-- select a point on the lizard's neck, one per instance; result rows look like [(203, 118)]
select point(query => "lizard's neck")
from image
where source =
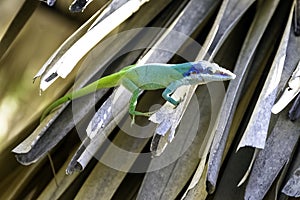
[(183, 67)]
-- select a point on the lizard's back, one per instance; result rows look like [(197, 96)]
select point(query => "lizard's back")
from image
[(153, 76)]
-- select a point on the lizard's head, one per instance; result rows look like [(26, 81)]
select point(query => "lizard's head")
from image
[(205, 72)]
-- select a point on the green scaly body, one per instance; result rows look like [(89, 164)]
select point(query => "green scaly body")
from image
[(152, 77)]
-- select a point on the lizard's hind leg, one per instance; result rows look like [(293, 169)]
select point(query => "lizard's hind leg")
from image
[(132, 106), (131, 86)]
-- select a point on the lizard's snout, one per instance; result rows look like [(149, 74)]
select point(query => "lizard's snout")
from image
[(224, 74)]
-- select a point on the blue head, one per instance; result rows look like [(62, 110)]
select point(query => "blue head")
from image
[(203, 72)]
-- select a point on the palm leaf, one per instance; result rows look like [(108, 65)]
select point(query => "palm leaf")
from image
[(195, 154)]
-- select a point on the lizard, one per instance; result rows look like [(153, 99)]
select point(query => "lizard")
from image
[(152, 76)]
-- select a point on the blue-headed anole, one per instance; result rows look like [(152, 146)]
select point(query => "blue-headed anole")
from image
[(152, 77)]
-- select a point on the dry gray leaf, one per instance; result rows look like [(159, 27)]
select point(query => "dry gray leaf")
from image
[(227, 18), (62, 49), (65, 64), (167, 117), (256, 132), (270, 160), (56, 129), (170, 172), (114, 5), (285, 128), (99, 128), (260, 22), (292, 187)]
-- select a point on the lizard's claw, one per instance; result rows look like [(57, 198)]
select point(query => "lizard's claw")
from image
[(179, 101), (132, 120), (176, 102), (146, 114)]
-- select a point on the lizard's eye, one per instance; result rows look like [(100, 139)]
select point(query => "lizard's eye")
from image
[(213, 70), (209, 70), (193, 72)]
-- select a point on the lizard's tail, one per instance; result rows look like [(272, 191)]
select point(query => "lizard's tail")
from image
[(105, 82)]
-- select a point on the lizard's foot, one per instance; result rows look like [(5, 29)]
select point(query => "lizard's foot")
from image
[(179, 101), (148, 114), (134, 113), (174, 102), (132, 120)]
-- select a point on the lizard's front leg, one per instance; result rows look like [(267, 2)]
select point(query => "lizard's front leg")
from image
[(170, 90)]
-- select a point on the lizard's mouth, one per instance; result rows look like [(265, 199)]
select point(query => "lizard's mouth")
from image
[(218, 75), (225, 74)]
